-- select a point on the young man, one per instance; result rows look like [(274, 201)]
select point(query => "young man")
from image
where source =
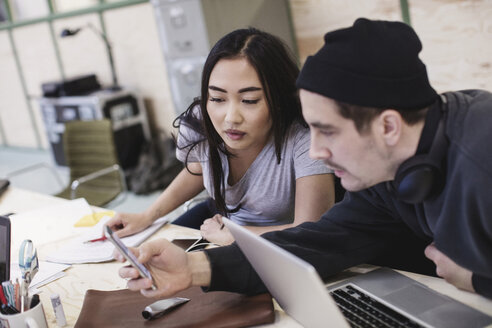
[(410, 160)]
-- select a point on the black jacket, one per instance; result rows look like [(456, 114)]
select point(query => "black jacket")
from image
[(368, 223)]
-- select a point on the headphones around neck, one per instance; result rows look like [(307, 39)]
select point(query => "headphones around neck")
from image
[(421, 177)]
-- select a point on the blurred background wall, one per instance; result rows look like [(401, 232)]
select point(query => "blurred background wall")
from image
[(456, 37)]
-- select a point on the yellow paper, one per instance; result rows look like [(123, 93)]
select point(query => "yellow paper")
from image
[(90, 220)]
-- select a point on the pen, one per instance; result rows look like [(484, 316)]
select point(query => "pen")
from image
[(3, 299), (34, 301), (103, 238), (8, 290)]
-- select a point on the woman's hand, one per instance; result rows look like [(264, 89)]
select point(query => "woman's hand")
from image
[(125, 224), (214, 231)]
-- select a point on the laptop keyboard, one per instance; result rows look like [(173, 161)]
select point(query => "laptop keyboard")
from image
[(361, 310)]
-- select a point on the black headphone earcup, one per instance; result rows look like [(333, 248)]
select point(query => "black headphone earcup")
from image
[(421, 177), (416, 180)]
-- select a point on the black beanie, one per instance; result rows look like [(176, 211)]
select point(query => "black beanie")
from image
[(373, 64)]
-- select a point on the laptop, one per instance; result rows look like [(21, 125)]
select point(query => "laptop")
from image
[(380, 298), (4, 248)]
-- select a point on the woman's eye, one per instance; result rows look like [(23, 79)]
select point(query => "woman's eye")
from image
[(251, 102), (216, 99)]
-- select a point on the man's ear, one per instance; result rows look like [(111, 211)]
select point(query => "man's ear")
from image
[(390, 126)]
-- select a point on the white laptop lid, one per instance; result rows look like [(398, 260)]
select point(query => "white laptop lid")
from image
[(301, 293), (294, 283)]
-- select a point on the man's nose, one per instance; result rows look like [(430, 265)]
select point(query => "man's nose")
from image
[(317, 150)]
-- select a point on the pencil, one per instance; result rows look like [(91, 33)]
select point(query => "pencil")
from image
[(17, 295), (103, 238)]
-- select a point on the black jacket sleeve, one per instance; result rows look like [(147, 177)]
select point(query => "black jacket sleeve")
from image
[(232, 272), (354, 231), (360, 229), (482, 285)]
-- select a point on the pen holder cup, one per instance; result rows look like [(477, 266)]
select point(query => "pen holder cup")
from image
[(32, 318)]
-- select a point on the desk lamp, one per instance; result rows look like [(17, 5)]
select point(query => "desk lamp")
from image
[(70, 32)]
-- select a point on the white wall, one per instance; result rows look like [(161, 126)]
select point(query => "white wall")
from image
[(456, 34)]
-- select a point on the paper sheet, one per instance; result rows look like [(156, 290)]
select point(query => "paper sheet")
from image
[(48, 272), (50, 223), (75, 251)]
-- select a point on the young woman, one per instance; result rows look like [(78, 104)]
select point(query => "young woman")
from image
[(246, 143)]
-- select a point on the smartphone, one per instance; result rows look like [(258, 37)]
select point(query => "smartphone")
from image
[(4, 248), (116, 241)]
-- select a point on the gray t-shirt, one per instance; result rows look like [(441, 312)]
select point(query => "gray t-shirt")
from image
[(266, 192)]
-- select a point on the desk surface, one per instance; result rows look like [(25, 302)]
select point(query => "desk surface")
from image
[(104, 276)]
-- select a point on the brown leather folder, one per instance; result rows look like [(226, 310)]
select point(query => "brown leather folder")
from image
[(123, 308)]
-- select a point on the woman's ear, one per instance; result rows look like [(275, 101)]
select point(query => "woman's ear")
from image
[(391, 126)]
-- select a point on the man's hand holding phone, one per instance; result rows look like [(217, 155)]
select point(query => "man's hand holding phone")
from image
[(171, 269), (126, 254)]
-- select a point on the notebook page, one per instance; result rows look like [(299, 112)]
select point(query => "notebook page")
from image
[(76, 251)]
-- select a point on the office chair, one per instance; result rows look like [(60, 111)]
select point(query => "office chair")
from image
[(95, 173), (90, 153)]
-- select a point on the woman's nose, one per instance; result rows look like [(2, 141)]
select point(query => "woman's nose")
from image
[(233, 114)]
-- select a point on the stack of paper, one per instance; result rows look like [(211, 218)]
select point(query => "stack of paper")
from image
[(76, 251)]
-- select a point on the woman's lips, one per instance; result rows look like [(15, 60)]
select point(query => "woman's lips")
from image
[(234, 134)]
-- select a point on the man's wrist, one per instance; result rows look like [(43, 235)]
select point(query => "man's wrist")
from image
[(201, 272)]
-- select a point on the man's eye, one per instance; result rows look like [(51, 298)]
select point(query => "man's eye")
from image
[(326, 133)]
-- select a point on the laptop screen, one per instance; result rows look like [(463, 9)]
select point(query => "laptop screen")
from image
[(4, 248)]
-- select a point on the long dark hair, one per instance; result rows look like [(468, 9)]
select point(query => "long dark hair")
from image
[(277, 71)]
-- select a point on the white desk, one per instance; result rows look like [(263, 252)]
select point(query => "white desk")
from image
[(104, 276)]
